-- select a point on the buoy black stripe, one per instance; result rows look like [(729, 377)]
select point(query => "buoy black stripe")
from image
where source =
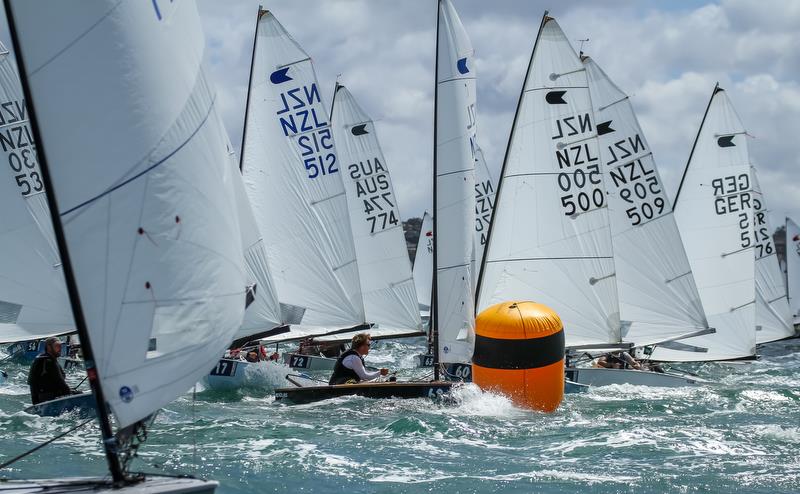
[(495, 353)]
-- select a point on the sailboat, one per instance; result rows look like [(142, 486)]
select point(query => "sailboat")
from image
[(33, 296), (564, 233), (793, 269), (773, 315), (143, 210), (714, 211)]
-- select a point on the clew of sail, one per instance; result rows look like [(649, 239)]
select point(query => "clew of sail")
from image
[(773, 315), (293, 179), (143, 189), (714, 212), (658, 298), (550, 238), (454, 189), (793, 268), (33, 297), (390, 300)]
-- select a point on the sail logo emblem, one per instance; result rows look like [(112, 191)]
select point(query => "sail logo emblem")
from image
[(461, 65), (726, 142), (429, 234), (280, 76), (126, 394), (555, 97), (359, 130), (605, 128)]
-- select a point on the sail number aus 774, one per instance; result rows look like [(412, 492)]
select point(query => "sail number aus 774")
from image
[(372, 187)]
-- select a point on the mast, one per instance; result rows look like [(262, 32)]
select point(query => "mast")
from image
[(694, 145), (249, 85), (434, 291), (109, 441), (545, 18)]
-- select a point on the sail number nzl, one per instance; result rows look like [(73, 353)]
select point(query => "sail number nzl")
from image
[(579, 180), (303, 119), (18, 145)]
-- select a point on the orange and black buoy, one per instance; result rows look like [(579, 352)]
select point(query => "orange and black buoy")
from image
[(519, 351)]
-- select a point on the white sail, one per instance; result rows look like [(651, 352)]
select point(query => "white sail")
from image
[(793, 268), (294, 182), (423, 264), (144, 189), (33, 296), (263, 309), (550, 240), (714, 211), (387, 287), (658, 298), (485, 191), (454, 189), (773, 315)]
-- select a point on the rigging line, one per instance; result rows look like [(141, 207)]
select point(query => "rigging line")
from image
[(149, 168), (37, 448)]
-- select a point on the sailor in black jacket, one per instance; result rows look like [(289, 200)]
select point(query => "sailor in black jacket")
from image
[(46, 377), (350, 368)]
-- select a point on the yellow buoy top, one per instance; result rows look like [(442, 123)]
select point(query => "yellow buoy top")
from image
[(517, 321)]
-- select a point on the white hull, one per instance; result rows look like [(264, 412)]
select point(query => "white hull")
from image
[(308, 362), (596, 376), (78, 485), (228, 374)]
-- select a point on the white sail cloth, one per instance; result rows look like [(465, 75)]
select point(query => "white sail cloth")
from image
[(264, 311), (293, 179), (144, 189), (454, 189), (550, 240), (33, 296), (773, 315), (714, 211), (423, 263), (658, 298), (793, 268), (390, 300), (485, 192)]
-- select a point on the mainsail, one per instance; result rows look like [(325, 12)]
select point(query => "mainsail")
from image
[(658, 298), (793, 268), (550, 238), (33, 297), (143, 190), (714, 211), (453, 315), (423, 263), (773, 315), (387, 287), (293, 179)]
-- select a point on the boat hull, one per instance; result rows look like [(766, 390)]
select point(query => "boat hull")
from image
[(308, 362), (78, 485), (227, 374), (84, 404), (406, 390), (597, 376)]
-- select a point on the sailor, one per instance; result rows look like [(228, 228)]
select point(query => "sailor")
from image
[(349, 367), (620, 360), (46, 377)]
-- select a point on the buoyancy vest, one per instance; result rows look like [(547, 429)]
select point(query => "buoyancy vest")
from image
[(342, 374)]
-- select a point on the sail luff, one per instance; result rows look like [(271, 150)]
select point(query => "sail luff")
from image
[(434, 314)]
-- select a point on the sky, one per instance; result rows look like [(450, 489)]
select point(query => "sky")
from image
[(667, 55)]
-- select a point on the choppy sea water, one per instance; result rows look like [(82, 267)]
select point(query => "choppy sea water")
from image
[(739, 434)]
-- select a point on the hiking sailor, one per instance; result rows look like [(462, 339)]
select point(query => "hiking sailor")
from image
[(46, 377), (349, 367)]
